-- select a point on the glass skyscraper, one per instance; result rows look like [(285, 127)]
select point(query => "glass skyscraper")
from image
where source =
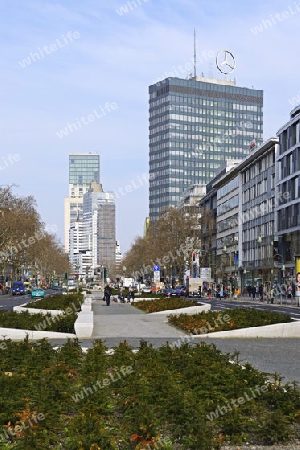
[(83, 168), (196, 125)]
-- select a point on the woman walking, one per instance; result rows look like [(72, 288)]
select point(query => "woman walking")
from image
[(107, 294)]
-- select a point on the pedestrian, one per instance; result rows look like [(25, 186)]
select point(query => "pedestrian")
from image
[(272, 294), (107, 294), (121, 296), (130, 295), (249, 290), (261, 292), (297, 288)]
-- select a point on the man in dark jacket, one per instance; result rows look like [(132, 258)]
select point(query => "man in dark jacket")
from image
[(107, 294), (130, 295)]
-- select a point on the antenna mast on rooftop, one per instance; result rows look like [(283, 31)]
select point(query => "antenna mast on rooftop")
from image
[(195, 58)]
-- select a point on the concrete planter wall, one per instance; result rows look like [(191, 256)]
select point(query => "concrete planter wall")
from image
[(84, 324), (189, 310)]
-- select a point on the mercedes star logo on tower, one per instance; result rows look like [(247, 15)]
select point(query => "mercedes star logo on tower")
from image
[(225, 61)]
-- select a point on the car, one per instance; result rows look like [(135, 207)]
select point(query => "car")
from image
[(28, 287), (37, 292), (146, 290), (171, 293), (18, 288)]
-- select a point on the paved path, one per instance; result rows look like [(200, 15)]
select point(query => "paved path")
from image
[(124, 320)]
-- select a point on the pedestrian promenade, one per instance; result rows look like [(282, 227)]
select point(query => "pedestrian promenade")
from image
[(121, 322), (126, 321)]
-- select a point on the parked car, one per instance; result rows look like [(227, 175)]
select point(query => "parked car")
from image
[(146, 290), (37, 292), (171, 293)]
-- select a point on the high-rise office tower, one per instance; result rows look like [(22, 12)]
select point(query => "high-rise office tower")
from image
[(99, 224), (196, 125), (83, 168)]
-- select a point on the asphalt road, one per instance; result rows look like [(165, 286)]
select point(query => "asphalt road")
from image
[(9, 301)]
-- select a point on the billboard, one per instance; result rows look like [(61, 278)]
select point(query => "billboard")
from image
[(297, 272)]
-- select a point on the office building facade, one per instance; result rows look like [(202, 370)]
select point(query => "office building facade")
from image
[(288, 195), (99, 224), (83, 168), (194, 127), (246, 219)]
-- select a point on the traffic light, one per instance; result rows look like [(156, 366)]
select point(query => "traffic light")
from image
[(66, 275), (104, 272)]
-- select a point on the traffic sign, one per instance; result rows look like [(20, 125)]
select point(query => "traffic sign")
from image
[(156, 277), (156, 268)]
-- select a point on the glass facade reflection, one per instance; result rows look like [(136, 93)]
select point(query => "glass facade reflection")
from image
[(83, 168)]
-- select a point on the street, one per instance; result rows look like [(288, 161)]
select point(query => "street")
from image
[(8, 301)]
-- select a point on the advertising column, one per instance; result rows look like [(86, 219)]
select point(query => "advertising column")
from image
[(297, 281)]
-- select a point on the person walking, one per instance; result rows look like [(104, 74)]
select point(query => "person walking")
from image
[(107, 294)]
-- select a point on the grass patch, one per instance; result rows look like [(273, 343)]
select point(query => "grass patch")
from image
[(233, 319), (163, 304)]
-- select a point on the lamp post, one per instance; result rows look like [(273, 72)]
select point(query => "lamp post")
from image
[(229, 254), (124, 271)]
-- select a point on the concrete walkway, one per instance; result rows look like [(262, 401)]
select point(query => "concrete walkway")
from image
[(122, 320)]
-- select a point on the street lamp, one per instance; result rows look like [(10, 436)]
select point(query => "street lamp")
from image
[(229, 254)]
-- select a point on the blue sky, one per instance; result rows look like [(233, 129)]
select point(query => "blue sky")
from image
[(110, 57)]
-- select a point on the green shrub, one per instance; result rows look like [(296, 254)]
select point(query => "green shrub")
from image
[(185, 397), (59, 301), (210, 321), (38, 322), (163, 304)]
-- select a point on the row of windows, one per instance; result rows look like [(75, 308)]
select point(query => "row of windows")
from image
[(198, 100), (228, 205), (238, 141), (254, 255), (193, 171), (227, 224), (219, 124), (261, 165), (289, 190), (289, 164), (258, 210), (229, 187), (290, 137), (265, 229), (220, 135), (257, 189), (289, 217)]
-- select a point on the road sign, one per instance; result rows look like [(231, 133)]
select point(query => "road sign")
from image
[(156, 276), (156, 268)]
